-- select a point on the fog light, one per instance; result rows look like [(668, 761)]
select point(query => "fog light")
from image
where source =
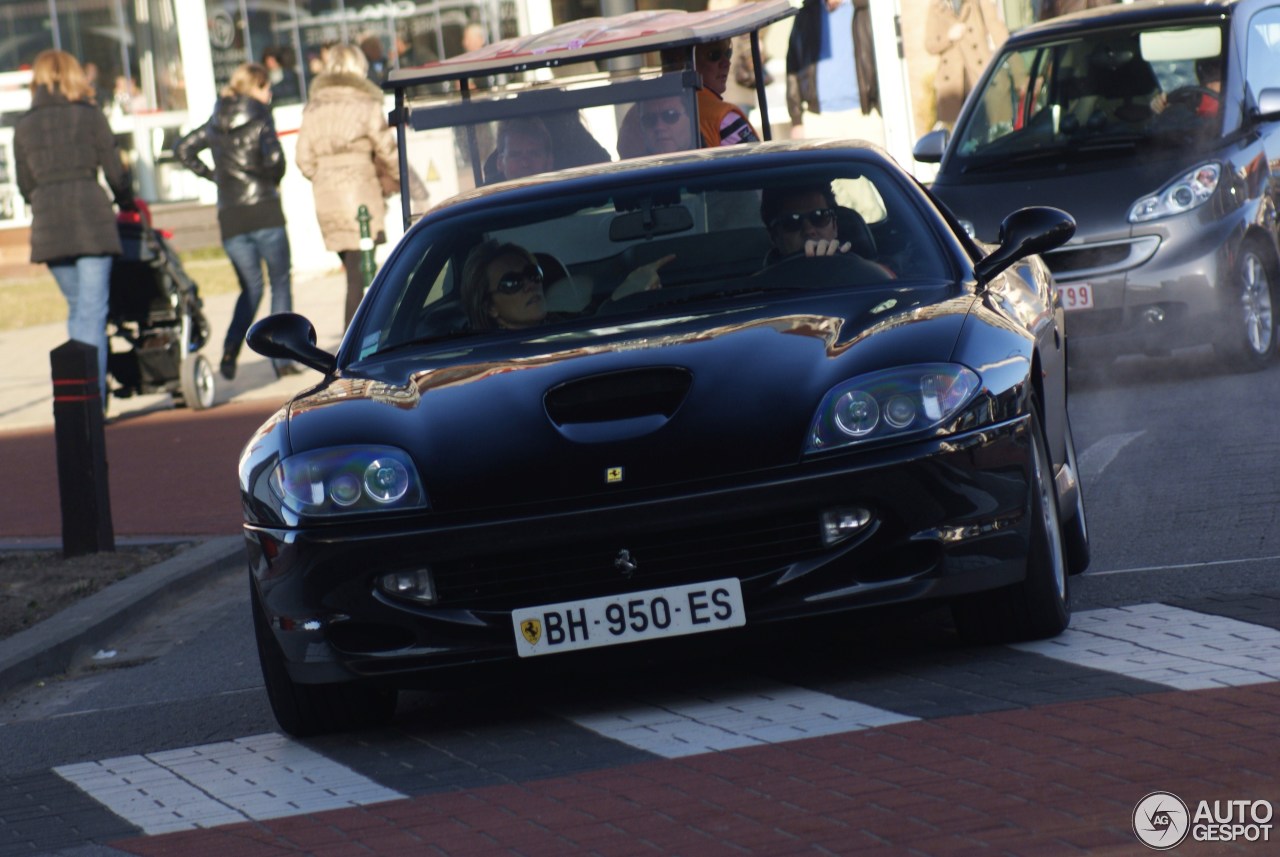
[(1153, 316), (839, 525), (416, 584)]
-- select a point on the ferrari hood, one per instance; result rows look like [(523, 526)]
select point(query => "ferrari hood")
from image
[(583, 413)]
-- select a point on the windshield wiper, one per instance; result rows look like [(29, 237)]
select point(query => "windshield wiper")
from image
[(1017, 157)]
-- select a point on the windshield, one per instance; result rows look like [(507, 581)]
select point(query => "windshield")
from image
[(1113, 92), (651, 248)]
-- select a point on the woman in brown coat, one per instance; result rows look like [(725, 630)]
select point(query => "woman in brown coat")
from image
[(348, 152), (59, 147), (963, 34)]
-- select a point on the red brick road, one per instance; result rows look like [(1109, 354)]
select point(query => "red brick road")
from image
[(1053, 780), (171, 473)]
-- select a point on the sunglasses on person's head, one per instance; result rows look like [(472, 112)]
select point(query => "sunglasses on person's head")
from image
[(668, 117), (819, 218), (717, 54), (513, 281)]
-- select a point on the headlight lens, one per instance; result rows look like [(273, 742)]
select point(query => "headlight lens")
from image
[(892, 402), (1187, 192), (348, 479)]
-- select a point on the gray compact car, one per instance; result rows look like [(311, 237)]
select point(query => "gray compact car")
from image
[(1157, 126)]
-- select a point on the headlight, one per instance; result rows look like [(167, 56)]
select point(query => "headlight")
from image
[(1188, 192), (347, 479), (892, 402)]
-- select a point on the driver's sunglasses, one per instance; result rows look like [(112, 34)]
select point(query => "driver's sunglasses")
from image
[(819, 218), (668, 117), (513, 281), (717, 54)]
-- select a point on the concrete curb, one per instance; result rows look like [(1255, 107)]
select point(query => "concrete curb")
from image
[(52, 646)]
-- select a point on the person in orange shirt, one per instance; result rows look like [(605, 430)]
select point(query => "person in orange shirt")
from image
[(721, 123)]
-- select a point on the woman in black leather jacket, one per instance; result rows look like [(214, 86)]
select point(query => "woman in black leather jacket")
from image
[(248, 165)]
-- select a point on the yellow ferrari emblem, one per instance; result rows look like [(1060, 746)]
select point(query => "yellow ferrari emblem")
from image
[(613, 474), (532, 631)]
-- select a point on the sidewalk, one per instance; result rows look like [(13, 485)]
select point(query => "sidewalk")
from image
[(171, 474)]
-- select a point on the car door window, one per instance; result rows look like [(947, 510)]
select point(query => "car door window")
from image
[(1262, 53)]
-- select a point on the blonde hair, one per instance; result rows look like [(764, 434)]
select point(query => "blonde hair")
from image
[(247, 77), (59, 71), (346, 59)]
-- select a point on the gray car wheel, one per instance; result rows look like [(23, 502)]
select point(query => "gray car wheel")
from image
[(1040, 605), (1251, 328)]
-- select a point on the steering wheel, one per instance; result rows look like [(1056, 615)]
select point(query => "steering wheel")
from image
[(1191, 96), (844, 269)]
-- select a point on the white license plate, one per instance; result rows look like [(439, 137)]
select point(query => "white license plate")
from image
[(667, 612), (1076, 296)]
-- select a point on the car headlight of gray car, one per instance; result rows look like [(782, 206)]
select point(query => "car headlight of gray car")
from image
[(1189, 191), (348, 480), (900, 401)]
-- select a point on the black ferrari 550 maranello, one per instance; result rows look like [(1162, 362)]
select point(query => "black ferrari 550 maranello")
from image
[(660, 397)]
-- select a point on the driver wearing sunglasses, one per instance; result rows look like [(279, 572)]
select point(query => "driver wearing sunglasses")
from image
[(802, 220), (502, 287), (665, 126)]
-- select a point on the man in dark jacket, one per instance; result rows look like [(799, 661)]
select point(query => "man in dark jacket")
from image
[(59, 147), (248, 164)]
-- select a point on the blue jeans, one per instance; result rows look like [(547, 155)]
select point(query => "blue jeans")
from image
[(247, 253), (85, 282)]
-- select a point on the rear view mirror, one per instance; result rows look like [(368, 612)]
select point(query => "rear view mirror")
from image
[(648, 222)]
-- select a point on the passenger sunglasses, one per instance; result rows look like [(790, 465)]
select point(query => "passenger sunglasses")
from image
[(819, 218), (717, 54), (513, 281), (668, 117)]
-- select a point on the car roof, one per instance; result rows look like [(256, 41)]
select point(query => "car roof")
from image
[(593, 39), (1142, 11)]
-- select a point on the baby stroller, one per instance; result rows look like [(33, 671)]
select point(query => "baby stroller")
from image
[(155, 308)]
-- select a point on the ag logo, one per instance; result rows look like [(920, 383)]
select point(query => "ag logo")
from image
[(1161, 820), (531, 629)]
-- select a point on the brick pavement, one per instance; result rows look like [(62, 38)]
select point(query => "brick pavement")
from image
[(1056, 779)]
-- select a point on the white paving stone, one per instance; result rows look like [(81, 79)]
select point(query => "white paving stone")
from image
[(260, 777), (1167, 645), (738, 714)]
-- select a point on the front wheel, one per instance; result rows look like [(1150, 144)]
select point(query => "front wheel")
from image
[(315, 709), (1039, 606), (1250, 342), (199, 387)]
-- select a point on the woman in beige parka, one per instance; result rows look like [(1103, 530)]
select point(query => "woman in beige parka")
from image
[(963, 34), (348, 152)]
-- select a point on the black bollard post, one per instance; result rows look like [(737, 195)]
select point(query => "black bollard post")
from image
[(82, 450), (368, 265)]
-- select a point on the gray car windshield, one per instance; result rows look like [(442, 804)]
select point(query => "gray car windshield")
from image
[(1117, 92), (546, 257)]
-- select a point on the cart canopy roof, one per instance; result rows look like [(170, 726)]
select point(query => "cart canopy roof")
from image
[(596, 39)]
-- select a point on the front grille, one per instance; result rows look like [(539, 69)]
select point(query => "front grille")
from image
[(740, 549), (1072, 259)]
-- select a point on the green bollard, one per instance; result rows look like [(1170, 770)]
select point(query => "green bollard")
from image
[(368, 267)]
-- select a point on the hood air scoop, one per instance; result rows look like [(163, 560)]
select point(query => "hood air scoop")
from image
[(617, 405)]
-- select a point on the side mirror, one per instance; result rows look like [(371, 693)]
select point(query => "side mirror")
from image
[(1025, 232), (930, 147), (1268, 109), (289, 336)]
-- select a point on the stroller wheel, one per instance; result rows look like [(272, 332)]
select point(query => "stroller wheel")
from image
[(198, 385)]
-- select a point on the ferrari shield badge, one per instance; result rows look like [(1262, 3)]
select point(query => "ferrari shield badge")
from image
[(613, 474), (532, 630)]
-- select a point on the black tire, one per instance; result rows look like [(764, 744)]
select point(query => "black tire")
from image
[(1250, 342), (1076, 532), (1040, 605), (315, 709), (199, 387)]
